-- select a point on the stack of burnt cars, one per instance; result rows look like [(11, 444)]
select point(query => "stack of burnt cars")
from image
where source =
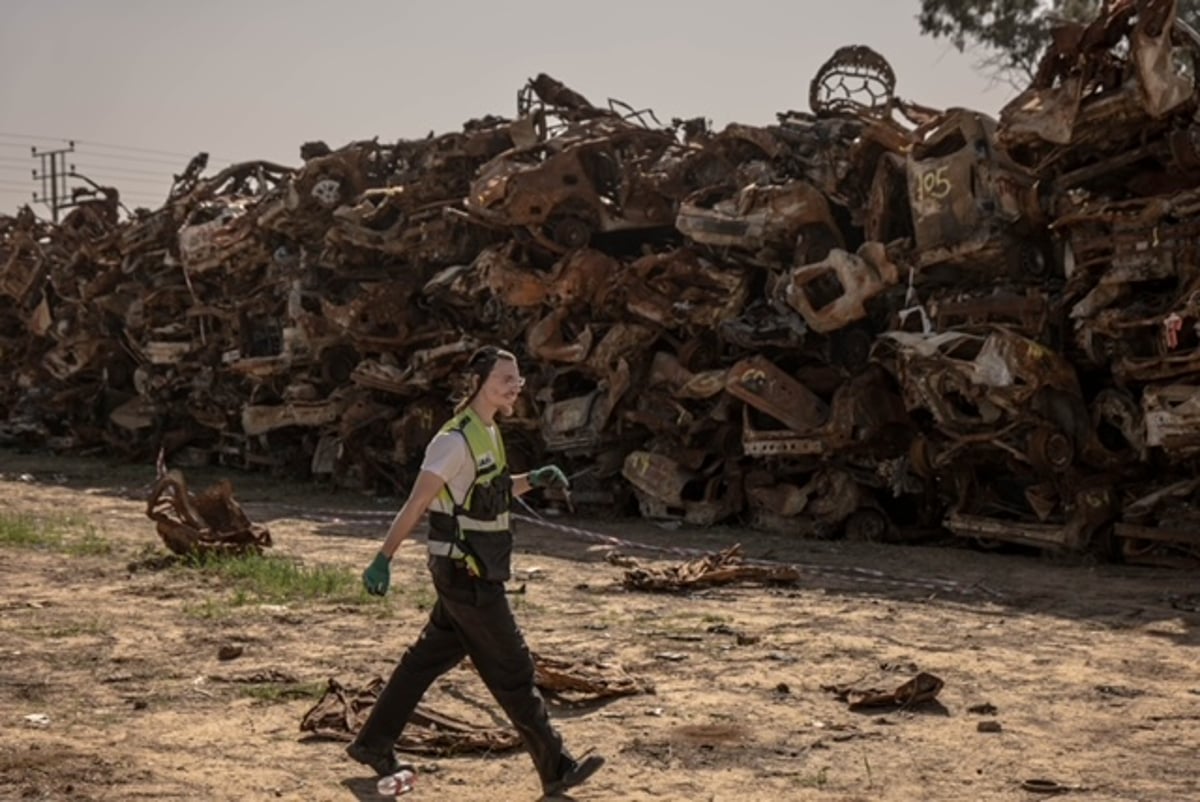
[(873, 319)]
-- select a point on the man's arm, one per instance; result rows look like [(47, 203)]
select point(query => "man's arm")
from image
[(424, 491)]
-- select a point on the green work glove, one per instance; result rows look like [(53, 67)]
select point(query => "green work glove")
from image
[(378, 575), (548, 476)]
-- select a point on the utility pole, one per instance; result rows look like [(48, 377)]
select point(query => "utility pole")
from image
[(54, 178)]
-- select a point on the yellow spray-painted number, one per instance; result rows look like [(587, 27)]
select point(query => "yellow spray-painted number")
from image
[(933, 184)]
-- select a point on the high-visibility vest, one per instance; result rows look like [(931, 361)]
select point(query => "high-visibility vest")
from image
[(478, 529)]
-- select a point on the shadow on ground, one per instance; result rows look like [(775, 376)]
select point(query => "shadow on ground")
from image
[(1003, 582)]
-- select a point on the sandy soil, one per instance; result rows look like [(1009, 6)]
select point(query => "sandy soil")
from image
[(1091, 669)]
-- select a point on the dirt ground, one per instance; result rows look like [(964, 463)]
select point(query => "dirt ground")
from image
[(1090, 670)]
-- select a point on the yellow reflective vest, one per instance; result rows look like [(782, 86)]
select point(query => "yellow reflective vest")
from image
[(478, 530)]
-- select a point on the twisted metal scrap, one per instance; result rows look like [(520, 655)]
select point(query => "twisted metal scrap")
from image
[(722, 568), (209, 523), (583, 681), (854, 80), (924, 687), (340, 713)]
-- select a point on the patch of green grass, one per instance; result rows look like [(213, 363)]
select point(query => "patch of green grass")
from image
[(87, 626), (272, 692), (269, 579), (28, 532), (70, 534), (210, 610), (89, 544)]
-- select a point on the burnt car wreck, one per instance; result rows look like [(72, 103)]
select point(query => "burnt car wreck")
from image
[(871, 319)]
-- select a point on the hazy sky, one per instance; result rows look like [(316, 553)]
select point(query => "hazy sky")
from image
[(143, 85)]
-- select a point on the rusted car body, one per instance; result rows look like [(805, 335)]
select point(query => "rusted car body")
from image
[(599, 177), (788, 224), (971, 204), (1106, 96)]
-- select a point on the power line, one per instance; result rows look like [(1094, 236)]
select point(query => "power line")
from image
[(119, 157), (121, 170), (130, 148), (118, 180), (4, 135), (143, 150)]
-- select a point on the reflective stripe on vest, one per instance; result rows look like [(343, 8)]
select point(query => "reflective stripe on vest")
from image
[(440, 548), (490, 463), (499, 524)]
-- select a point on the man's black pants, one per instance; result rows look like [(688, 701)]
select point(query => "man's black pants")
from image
[(470, 618)]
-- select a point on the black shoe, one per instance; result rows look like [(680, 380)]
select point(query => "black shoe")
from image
[(575, 772), (383, 761)]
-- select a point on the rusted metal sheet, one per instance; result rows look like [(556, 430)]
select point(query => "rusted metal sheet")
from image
[(1162, 526), (817, 508), (667, 490), (922, 688), (1172, 416), (682, 290), (211, 522), (584, 681), (764, 386), (832, 294)]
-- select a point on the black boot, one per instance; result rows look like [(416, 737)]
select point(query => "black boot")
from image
[(573, 772), (382, 760)]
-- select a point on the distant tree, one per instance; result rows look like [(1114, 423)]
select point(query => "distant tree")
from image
[(1012, 33)]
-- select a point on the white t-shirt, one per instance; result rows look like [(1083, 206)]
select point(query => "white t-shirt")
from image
[(448, 457)]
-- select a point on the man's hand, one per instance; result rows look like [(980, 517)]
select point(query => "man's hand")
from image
[(378, 575), (548, 476)]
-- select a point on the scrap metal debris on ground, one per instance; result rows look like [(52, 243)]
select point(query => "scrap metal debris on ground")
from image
[(872, 319), (584, 681), (341, 711), (205, 524), (924, 687), (720, 568)]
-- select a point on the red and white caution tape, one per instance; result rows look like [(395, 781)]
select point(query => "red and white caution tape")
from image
[(852, 573)]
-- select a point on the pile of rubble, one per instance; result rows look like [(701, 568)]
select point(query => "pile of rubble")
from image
[(874, 319)]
